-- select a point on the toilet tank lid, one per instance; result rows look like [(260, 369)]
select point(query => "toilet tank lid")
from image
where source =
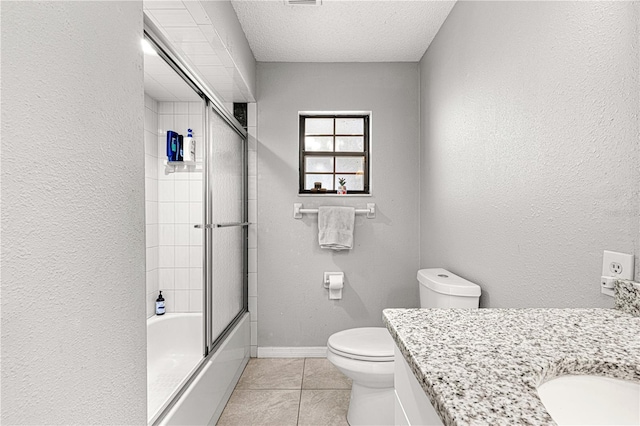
[(442, 281)]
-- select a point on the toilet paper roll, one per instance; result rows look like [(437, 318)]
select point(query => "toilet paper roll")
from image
[(335, 282)]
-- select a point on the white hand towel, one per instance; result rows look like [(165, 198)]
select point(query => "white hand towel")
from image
[(335, 227)]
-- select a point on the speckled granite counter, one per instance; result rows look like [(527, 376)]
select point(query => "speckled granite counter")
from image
[(484, 366), (627, 297)]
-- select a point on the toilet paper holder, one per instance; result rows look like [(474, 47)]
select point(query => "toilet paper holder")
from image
[(334, 282)]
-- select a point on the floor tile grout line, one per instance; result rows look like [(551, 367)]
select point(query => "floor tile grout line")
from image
[(304, 364)]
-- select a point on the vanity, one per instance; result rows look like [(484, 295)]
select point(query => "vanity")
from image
[(463, 366)]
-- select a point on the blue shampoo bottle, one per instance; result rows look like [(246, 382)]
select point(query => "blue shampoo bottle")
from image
[(172, 145)]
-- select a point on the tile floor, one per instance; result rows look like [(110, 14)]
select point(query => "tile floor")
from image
[(288, 391)]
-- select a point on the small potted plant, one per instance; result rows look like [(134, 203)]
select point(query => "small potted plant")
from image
[(342, 189)]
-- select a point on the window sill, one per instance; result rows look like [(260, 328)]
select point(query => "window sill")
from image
[(335, 195)]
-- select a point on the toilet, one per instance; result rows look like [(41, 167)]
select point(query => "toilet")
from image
[(365, 355)]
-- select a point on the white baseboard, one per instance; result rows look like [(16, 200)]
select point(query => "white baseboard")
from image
[(292, 352)]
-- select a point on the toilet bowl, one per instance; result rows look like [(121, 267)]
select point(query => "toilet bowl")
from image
[(365, 355)]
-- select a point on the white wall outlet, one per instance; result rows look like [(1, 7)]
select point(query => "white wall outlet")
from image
[(615, 266)]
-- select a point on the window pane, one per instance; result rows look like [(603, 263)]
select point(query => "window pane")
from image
[(319, 164), (354, 182), (350, 144), (318, 126), (349, 126), (334, 147), (315, 143), (327, 181), (349, 164)]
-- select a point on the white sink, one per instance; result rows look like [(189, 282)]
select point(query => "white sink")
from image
[(591, 400)]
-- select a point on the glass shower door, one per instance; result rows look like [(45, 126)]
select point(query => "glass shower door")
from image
[(227, 236), (196, 224)]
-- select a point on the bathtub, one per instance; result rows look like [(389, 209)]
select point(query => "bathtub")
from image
[(174, 349), (174, 352)]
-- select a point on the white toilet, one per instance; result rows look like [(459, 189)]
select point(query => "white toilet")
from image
[(365, 355)]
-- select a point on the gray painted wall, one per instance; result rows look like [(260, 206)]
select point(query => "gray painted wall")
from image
[(293, 306), (529, 151), (73, 310)]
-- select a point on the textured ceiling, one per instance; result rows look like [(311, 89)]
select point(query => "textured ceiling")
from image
[(341, 31)]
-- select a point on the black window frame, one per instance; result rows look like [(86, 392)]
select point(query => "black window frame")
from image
[(364, 153)]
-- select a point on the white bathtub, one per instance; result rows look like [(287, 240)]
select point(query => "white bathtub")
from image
[(174, 349)]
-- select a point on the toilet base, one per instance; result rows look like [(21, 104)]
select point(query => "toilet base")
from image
[(371, 406)]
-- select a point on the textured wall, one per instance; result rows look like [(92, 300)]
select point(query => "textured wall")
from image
[(380, 272), (529, 152), (73, 311)]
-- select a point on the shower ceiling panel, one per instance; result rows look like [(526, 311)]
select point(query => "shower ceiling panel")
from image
[(163, 84), (190, 31)]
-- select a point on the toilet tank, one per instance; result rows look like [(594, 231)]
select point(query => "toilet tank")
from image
[(440, 288)]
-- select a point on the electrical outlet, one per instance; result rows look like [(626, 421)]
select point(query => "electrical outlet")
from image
[(615, 266), (618, 265)]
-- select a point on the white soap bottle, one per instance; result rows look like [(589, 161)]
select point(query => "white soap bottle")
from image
[(189, 150)]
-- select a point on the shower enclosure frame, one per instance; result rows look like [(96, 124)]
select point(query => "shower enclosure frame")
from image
[(212, 105)]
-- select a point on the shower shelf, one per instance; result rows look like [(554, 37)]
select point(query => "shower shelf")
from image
[(182, 166)]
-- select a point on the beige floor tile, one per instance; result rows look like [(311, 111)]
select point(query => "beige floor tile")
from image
[(321, 374), (272, 373), (324, 407), (261, 407)]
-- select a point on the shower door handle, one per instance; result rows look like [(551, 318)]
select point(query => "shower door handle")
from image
[(230, 224), (221, 225)]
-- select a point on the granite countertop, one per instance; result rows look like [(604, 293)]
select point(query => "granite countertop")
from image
[(484, 366)]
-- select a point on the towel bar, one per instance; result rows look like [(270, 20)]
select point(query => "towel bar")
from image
[(298, 211)]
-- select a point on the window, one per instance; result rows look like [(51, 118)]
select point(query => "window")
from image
[(334, 147)]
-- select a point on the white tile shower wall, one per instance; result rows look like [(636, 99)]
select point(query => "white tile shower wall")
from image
[(252, 119), (151, 199), (179, 209)]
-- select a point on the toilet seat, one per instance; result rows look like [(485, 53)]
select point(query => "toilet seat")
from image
[(373, 344), (366, 356)]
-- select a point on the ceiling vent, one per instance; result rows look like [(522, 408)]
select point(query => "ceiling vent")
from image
[(303, 2)]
